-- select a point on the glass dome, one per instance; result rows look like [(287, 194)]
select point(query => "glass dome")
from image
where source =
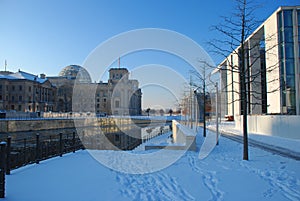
[(76, 72)]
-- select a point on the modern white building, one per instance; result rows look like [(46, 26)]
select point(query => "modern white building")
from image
[(272, 60)]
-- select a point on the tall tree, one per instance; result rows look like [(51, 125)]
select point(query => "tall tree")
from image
[(236, 30), (201, 81)]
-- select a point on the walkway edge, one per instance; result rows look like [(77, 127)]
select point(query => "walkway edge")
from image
[(261, 145)]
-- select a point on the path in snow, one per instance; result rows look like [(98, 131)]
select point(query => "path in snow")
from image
[(209, 177), (155, 186), (279, 180)]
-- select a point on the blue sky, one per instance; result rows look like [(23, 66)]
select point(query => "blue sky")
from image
[(40, 36)]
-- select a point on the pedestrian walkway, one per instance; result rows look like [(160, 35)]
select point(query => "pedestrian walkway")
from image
[(282, 146)]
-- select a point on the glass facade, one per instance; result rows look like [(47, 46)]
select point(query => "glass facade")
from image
[(287, 61)]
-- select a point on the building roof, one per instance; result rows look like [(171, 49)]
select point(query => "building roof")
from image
[(21, 75), (76, 72), (117, 68)]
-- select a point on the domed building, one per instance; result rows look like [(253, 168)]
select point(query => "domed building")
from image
[(64, 83), (119, 96), (76, 72)]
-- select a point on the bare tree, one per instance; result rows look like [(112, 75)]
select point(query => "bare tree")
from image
[(236, 30), (201, 80)]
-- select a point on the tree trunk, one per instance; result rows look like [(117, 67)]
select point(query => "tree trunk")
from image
[(243, 86)]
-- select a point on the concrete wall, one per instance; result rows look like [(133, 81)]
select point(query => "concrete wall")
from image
[(272, 64), (272, 125), (34, 125), (183, 135)]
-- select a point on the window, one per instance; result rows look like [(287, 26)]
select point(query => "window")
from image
[(20, 107), (298, 14), (12, 107), (117, 104), (279, 19), (13, 98), (20, 98), (104, 100), (13, 88), (29, 108), (117, 138), (288, 18), (98, 105), (1, 97), (290, 67), (290, 82), (29, 89), (289, 51), (20, 87), (288, 35)]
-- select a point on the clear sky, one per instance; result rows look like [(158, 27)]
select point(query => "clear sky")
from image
[(40, 36)]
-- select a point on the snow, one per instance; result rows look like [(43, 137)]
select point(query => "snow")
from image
[(23, 75), (292, 145), (222, 175)]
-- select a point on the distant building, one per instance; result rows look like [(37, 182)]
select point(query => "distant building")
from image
[(25, 92), (125, 95), (119, 96), (64, 83), (274, 51), (192, 106)]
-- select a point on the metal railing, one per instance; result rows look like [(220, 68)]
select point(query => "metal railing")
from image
[(20, 152)]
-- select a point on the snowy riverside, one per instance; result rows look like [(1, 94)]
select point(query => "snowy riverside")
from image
[(148, 101)]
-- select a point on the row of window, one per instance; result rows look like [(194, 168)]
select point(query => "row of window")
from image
[(14, 88), (103, 105), (287, 59), (14, 98), (20, 88), (29, 108)]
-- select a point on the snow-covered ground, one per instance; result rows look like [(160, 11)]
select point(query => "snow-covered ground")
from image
[(222, 175), (291, 145)]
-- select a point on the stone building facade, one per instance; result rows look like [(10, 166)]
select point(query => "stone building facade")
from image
[(25, 92), (76, 92), (71, 91)]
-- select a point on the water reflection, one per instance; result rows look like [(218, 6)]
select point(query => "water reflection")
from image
[(118, 134)]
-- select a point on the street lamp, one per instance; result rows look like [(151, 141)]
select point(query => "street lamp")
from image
[(217, 114)]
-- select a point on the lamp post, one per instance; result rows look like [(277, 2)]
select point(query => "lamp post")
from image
[(217, 114)]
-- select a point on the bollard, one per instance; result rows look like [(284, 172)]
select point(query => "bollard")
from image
[(2, 168), (73, 142), (60, 145), (37, 150), (8, 149)]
